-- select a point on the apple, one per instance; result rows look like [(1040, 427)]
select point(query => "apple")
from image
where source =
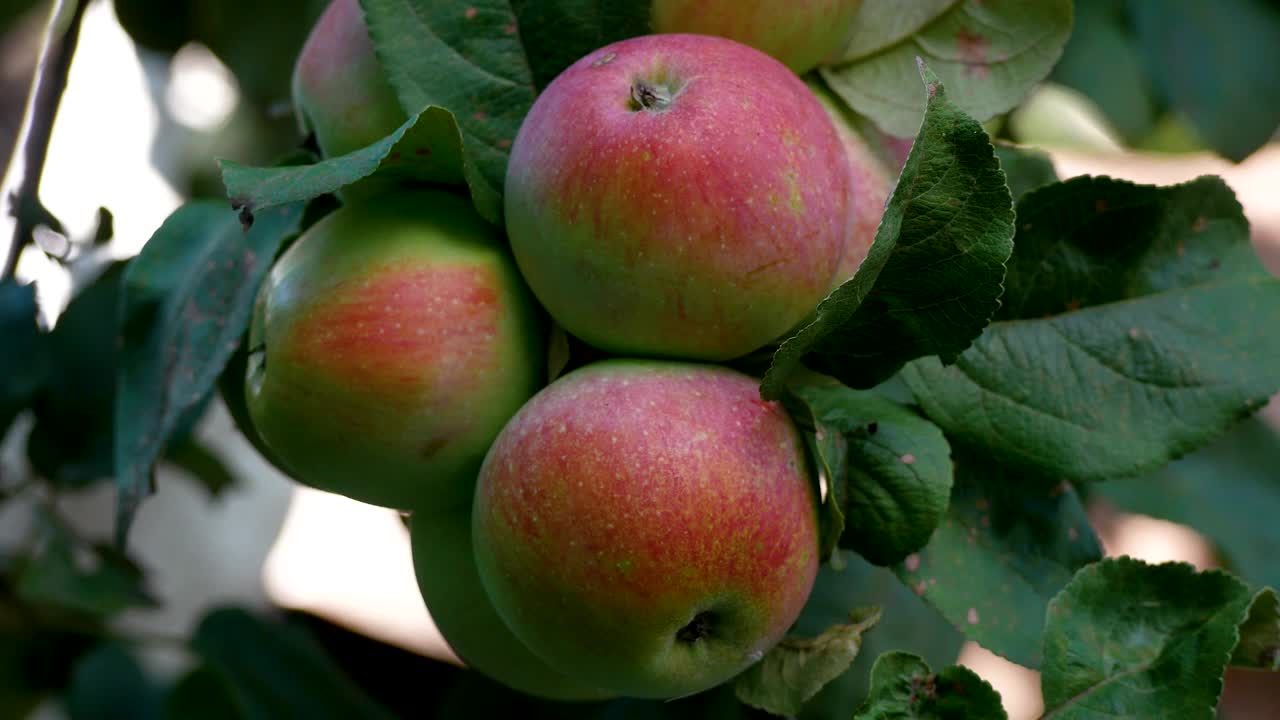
[(873, 181), (339, 89), (649, 527), (800, 33), (388, 347), (680, 196), (445, 566)]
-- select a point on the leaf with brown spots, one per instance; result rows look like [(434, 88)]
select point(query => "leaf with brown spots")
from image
[(1008, 543), (990, 54), (187, 299), (1132, 332), (464, 55)]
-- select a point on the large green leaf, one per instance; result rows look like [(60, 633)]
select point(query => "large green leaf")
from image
[(187, 300), (426, 148), (1127, 639), (1153, 343), (1008, 544), (990, 53), (1215, 62), (932, 278), (23, 362), (898, 468), (464, 56), (1229, 491), (903, 686), (797, 668), (276, 671)]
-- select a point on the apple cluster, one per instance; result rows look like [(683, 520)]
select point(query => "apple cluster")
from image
[(644, 525)]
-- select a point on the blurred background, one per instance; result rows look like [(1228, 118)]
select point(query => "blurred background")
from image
[(160, 88)]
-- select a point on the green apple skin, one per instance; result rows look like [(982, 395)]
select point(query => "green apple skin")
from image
[(388, 347), (649, 527), (444, 562), (799, 33), (699, 228), (340, 91)]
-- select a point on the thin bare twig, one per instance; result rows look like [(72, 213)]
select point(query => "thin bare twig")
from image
[(61, 37)]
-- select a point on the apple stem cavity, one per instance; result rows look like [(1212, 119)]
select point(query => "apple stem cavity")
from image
[(698, 628), (645, 96)]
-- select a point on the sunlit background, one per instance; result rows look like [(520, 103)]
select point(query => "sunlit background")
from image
[(133, 123)]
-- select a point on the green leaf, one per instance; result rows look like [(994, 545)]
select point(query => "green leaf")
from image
[(203, 465), (202, 694), (464, 56), (278, 671), (186, 302), (907, 623), (797, 668), (557, 33), (109, 684), (426, 148), (24, 362), (1215, 63), (1128, 639), (903, 686), (1102, 38), (1008, 544), (99, 580), (899, 471), (1150, 347), (1259, 645), (1025, 169), (932, 278), (1229, 491), (882, 24), (829, 452), (71, 443), (990, 53)]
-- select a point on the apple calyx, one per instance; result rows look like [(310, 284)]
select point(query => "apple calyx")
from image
[(698, 628), (652, 97)]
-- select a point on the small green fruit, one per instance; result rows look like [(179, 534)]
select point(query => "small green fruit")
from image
[(339, 89)]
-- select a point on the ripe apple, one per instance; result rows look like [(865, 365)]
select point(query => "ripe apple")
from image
[(445, 566), (388, 347), (649, 527), (800, 33), (678, 195), (873, 181), (339, 89)]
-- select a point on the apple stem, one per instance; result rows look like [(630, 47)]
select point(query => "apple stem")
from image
[(650, 97)]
